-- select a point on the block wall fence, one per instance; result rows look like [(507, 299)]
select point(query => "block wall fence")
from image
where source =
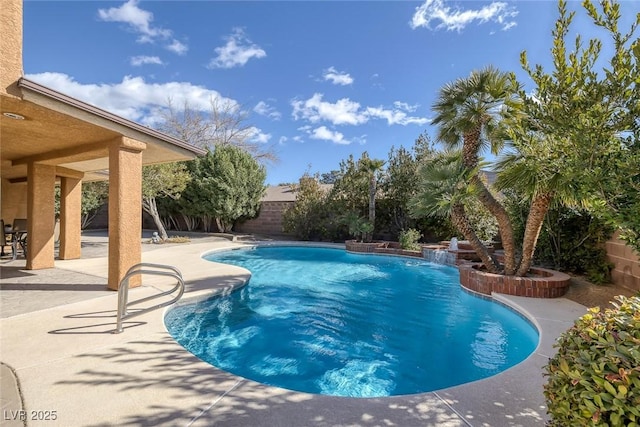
[(269, 221), (626, 262)]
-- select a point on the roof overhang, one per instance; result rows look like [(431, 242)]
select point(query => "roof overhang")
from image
[(52, 128)]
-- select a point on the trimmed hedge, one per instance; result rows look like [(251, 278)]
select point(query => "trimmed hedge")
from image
[(594, 379)]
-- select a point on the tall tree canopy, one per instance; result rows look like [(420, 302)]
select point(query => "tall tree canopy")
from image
[(230, 183), (163, 180), (582, 122), (468, 113), (226, 123)]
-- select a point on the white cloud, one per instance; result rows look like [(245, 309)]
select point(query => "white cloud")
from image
[(256, 135), (404, 106), (509, 25), (347, 112), (325, 134), (133, 98), (267, 110), (177, 47), (396, 116), (457, 19), (344, 111), (137, 61), (237, 52), (337, 77), (140, 21)]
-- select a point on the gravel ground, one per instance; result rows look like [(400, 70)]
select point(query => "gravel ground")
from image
[(586, 293)]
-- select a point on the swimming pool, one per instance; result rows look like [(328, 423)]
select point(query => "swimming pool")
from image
[(322, 320)]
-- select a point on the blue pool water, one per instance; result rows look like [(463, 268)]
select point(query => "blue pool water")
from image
[(322, 320)]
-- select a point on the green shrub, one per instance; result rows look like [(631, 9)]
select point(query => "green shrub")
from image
[(594, 379), (571, 240), (308, 218), (409, 239)]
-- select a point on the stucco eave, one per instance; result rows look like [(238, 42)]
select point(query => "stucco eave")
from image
[(50, 98)]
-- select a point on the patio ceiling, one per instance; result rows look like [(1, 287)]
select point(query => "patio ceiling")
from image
[(63, 131)]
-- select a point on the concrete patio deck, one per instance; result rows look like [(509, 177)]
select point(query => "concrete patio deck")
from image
[(67, 360)]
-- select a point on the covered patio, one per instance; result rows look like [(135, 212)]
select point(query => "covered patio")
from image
[(49, 139)]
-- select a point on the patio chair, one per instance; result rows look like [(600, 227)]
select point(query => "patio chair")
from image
[(19, 231), (3, 237)]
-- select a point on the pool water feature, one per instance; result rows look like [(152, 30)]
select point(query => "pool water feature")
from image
[(321, 320)]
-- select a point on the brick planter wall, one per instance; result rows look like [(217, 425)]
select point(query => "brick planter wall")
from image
[(543, 284), (387, 248), (364, 247), (394, 251)]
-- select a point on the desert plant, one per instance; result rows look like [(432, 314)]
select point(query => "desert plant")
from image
[(358, 226), (408, 239), (594, 379)]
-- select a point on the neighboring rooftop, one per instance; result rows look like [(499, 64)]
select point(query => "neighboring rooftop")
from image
[(284, 193)]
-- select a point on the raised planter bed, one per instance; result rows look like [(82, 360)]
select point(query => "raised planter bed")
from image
[(365, 247), (541, 283), (388, 248)]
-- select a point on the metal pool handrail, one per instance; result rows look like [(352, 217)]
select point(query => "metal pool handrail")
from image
[(153, 270)]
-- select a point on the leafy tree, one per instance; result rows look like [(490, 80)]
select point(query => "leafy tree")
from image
[(575, 137), (399, 185), (330, 177), (196, 206), (351, 191), (356, 188), (308, 217), (94, 195), (236, 185), (162, 180)]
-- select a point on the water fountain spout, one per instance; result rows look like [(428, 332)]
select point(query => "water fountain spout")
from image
[(453, 244)]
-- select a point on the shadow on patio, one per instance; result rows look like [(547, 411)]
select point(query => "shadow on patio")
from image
[(227, 400)]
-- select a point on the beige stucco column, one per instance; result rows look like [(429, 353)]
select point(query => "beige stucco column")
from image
[(70, 217), (41, 181), (125, 209), (10, 46)]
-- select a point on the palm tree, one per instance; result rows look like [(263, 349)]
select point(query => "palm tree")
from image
[(358, 226), (443, 192), (534, 169), (371, 167), (468, 111)]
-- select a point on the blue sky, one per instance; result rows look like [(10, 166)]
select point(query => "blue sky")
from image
[(320, 80)]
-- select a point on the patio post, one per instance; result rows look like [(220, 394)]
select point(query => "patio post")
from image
[(125, 209), (41, 183), (70, 217)]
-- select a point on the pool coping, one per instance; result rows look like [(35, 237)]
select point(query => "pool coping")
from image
[(143, 377)]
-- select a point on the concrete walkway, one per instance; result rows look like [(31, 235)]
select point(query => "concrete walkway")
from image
[(68, 360)]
